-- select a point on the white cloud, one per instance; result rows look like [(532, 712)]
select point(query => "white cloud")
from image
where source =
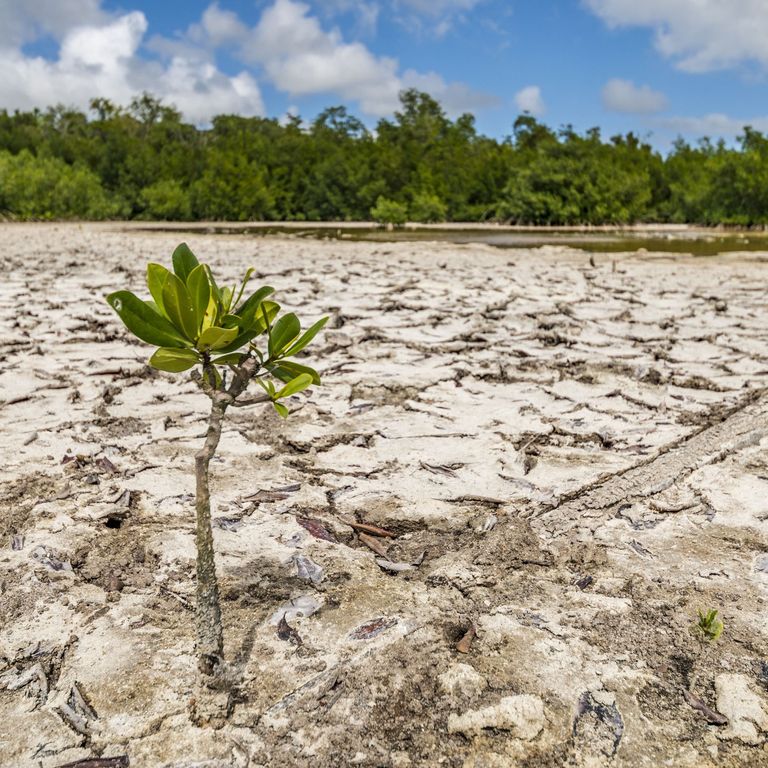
[(454, 98), (436, 8), (700, 35), (102, 60), (624, 96), (529, 99), (714, 125), (432, 16), (24, 20), (301, 58), (108, 55)]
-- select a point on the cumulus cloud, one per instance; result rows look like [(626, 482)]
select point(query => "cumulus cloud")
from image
[(624, 96), (108, 55), (713, 125), (699, 35), (102, 59), (455, 98), (437, 7), (432, 16), (302, 58), (529, 99), (22, 22)]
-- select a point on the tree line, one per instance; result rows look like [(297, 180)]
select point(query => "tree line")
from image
[(144, 162)]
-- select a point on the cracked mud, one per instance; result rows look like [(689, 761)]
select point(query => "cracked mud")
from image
[(482, 542)]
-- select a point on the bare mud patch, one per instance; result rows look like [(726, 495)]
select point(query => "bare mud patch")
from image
[(482, 543)]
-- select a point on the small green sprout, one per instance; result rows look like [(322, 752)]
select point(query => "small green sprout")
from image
[(193, 322), (708, 627)]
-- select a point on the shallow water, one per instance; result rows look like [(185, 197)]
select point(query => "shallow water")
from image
[(696, 242)]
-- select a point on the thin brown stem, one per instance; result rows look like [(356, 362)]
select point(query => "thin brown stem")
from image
[(210, 638)]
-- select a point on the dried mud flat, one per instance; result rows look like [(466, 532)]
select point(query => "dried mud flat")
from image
[(574, 456)]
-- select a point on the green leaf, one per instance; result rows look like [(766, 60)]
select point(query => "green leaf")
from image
[(199, 292), (287, 370), (156, 277), (259, 326), (284, 331), (143, 321), (226, 298), (233, 358), (300, 383), (247, 277), (216, 338), (184, 261), (178, 306), (306, 337), (281, 409), (173, 360), (251, 305), (267, 313)]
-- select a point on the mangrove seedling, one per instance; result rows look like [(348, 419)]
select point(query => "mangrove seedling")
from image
[(230, 342), (708, 628)]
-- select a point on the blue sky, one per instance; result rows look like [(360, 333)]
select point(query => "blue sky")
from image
[(658, 67)]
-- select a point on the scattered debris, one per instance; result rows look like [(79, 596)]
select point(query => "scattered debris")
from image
[(713, 716), (286, 632), (598, 727), (374, 530), (374, 544), (47, 557), (76, 712), (465, 644), (99, 762), (373, 628), (308, 570), (31, 439), (302, 606), (584, 582), (273, 494), (316, 528), (388, 565), (640, 549), (449, 470)]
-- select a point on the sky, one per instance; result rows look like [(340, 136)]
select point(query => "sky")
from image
[(660, 68)]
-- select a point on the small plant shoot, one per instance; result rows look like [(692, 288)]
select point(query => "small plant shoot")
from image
[(231, 339), (708, 628)]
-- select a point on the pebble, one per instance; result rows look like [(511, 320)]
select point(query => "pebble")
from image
[(744, 709), (522, 716)]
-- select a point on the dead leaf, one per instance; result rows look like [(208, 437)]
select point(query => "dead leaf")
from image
[(105, 464), (419, 559), (387, 565), (286, 632), (374, 544), (316, 528), (308, 570), (712, 715), (465, 644), (276, 494), (99, 762), (373, 628), (449, 470), (584, 582), (368, 528)]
